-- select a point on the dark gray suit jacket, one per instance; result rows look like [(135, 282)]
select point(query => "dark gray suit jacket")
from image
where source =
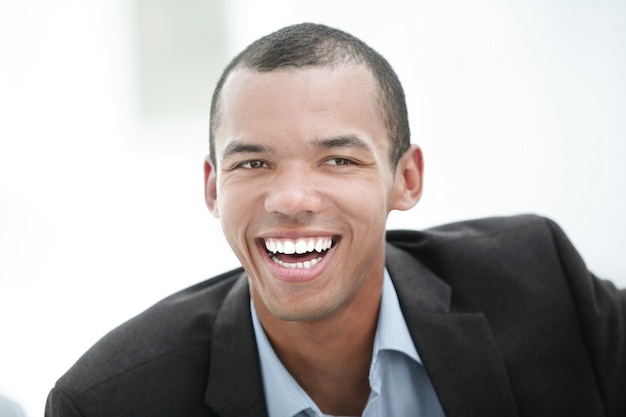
[(503, 311)]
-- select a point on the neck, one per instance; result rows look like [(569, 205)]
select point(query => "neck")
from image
[(332, 355)]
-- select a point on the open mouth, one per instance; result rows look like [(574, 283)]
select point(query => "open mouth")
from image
[(301, 253)]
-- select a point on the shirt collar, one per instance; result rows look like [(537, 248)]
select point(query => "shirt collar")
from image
[(285, 397), (392, 332)]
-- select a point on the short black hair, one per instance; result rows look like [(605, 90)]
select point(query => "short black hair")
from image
[(314, 45)]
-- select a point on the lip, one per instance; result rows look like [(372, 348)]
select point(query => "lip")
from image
[(297, 275)]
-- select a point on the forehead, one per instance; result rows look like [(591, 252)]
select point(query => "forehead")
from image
[(316, 101), (348, 78)]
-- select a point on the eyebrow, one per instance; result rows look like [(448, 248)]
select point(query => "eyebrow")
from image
[(346, 141), (237, 147)]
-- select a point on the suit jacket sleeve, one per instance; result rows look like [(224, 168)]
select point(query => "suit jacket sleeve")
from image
[(602, 314)]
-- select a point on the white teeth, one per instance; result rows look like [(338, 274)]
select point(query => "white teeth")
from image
[(299, 265), (299, 246), (289, 247)]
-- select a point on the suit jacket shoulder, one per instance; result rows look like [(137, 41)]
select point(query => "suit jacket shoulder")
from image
[(559, 330), (155, 364)]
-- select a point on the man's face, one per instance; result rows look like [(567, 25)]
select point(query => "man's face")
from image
[(303, 186)]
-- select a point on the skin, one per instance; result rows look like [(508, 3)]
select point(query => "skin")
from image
[(304, 153)]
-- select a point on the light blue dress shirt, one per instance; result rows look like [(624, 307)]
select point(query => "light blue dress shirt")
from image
[(399, 384)]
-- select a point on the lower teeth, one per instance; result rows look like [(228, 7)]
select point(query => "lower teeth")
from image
[(299, 265)]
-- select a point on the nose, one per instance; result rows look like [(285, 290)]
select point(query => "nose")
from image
[(293, 191)]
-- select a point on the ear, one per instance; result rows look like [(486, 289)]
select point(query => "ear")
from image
[(210, 187), (407, 187)]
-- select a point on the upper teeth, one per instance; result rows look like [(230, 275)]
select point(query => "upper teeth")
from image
[(299, 246)]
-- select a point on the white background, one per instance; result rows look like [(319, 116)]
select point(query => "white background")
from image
[(519, 107)]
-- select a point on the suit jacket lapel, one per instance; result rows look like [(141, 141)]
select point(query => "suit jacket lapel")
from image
[(235, 387), (458, 350)]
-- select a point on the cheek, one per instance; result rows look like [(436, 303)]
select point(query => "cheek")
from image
[(231, 196), (362, 199), (238, 205), (231, 210)]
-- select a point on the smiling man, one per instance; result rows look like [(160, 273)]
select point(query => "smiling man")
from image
[(330, 314)]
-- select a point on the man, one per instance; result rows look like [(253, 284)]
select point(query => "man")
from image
[(331, 314)]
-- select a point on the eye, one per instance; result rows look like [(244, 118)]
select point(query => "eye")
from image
[(252, 164), (339, 161)]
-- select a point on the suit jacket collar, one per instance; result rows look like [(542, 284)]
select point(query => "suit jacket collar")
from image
[(459, 350), (235, 387)]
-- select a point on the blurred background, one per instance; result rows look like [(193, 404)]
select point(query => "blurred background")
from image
[(519, 107)]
